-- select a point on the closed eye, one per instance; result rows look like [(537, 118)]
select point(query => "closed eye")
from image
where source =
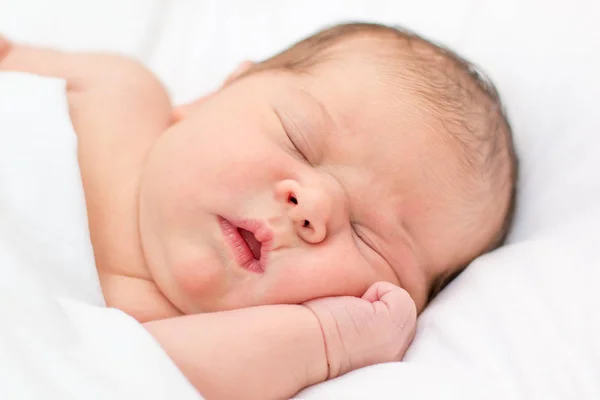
[(365, 240), (296, 148), (289, 125), (362, 238)]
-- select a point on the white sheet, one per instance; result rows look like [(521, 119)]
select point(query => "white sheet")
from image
[(57, 338), (129, 27)]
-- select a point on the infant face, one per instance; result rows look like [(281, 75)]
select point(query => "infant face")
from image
[(282, 188)]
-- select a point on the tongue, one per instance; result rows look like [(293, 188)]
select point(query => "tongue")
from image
[(253, 244)]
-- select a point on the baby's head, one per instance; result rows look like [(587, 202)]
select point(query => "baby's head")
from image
[(362, 153)]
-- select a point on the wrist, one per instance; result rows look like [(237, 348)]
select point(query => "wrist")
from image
[(336, 355), (318, 366)]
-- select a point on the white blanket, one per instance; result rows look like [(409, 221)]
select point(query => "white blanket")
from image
[(57, 340)]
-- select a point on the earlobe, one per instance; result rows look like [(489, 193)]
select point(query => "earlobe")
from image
[(244, 67)]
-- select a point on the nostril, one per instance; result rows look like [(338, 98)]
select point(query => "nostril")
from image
[(306, 223), (292, 199)]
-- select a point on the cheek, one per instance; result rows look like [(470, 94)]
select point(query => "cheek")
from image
[(232, 164), (225, 150)]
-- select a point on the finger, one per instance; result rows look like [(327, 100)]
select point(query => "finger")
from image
[(387, 297), (377, 290), (403, 313), (4, 47)]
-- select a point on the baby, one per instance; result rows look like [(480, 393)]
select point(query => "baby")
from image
[(287, 228)]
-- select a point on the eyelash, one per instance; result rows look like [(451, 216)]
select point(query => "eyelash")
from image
[(283, 121), (296, 149), (353, 227), (364, 241)]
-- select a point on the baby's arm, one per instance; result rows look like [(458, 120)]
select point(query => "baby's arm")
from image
[(106, 92), (274, 351), (267, 352)]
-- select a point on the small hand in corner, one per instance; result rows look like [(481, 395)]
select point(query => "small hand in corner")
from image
[(5, 47)]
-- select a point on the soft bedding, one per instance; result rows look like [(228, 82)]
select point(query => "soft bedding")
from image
[(521, 322), (57, 339)]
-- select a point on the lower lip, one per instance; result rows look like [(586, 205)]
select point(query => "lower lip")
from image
[(241, 251)]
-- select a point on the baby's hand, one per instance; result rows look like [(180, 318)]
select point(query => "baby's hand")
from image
[(374, 329), (4, 47)]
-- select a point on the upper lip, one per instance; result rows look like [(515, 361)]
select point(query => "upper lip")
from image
[(261, 232)]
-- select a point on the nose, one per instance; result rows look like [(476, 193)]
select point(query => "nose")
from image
[(313, 210)]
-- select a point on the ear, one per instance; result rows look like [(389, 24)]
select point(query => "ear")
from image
[(239, 71)]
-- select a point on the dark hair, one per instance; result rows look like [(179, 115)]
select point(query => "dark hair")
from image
[(461, 96)]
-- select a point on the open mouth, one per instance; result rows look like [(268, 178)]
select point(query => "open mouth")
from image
[(253, 244), (249, 242)]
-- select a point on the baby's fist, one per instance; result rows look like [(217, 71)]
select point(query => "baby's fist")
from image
[(374, 329)]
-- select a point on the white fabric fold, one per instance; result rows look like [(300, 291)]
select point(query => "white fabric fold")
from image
[(57, 338)]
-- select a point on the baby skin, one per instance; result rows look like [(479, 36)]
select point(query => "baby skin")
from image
[(235, 328)]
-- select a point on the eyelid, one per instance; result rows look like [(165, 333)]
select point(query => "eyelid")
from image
[(370, 245), (284, 124), (362, 238), (300, 152)]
